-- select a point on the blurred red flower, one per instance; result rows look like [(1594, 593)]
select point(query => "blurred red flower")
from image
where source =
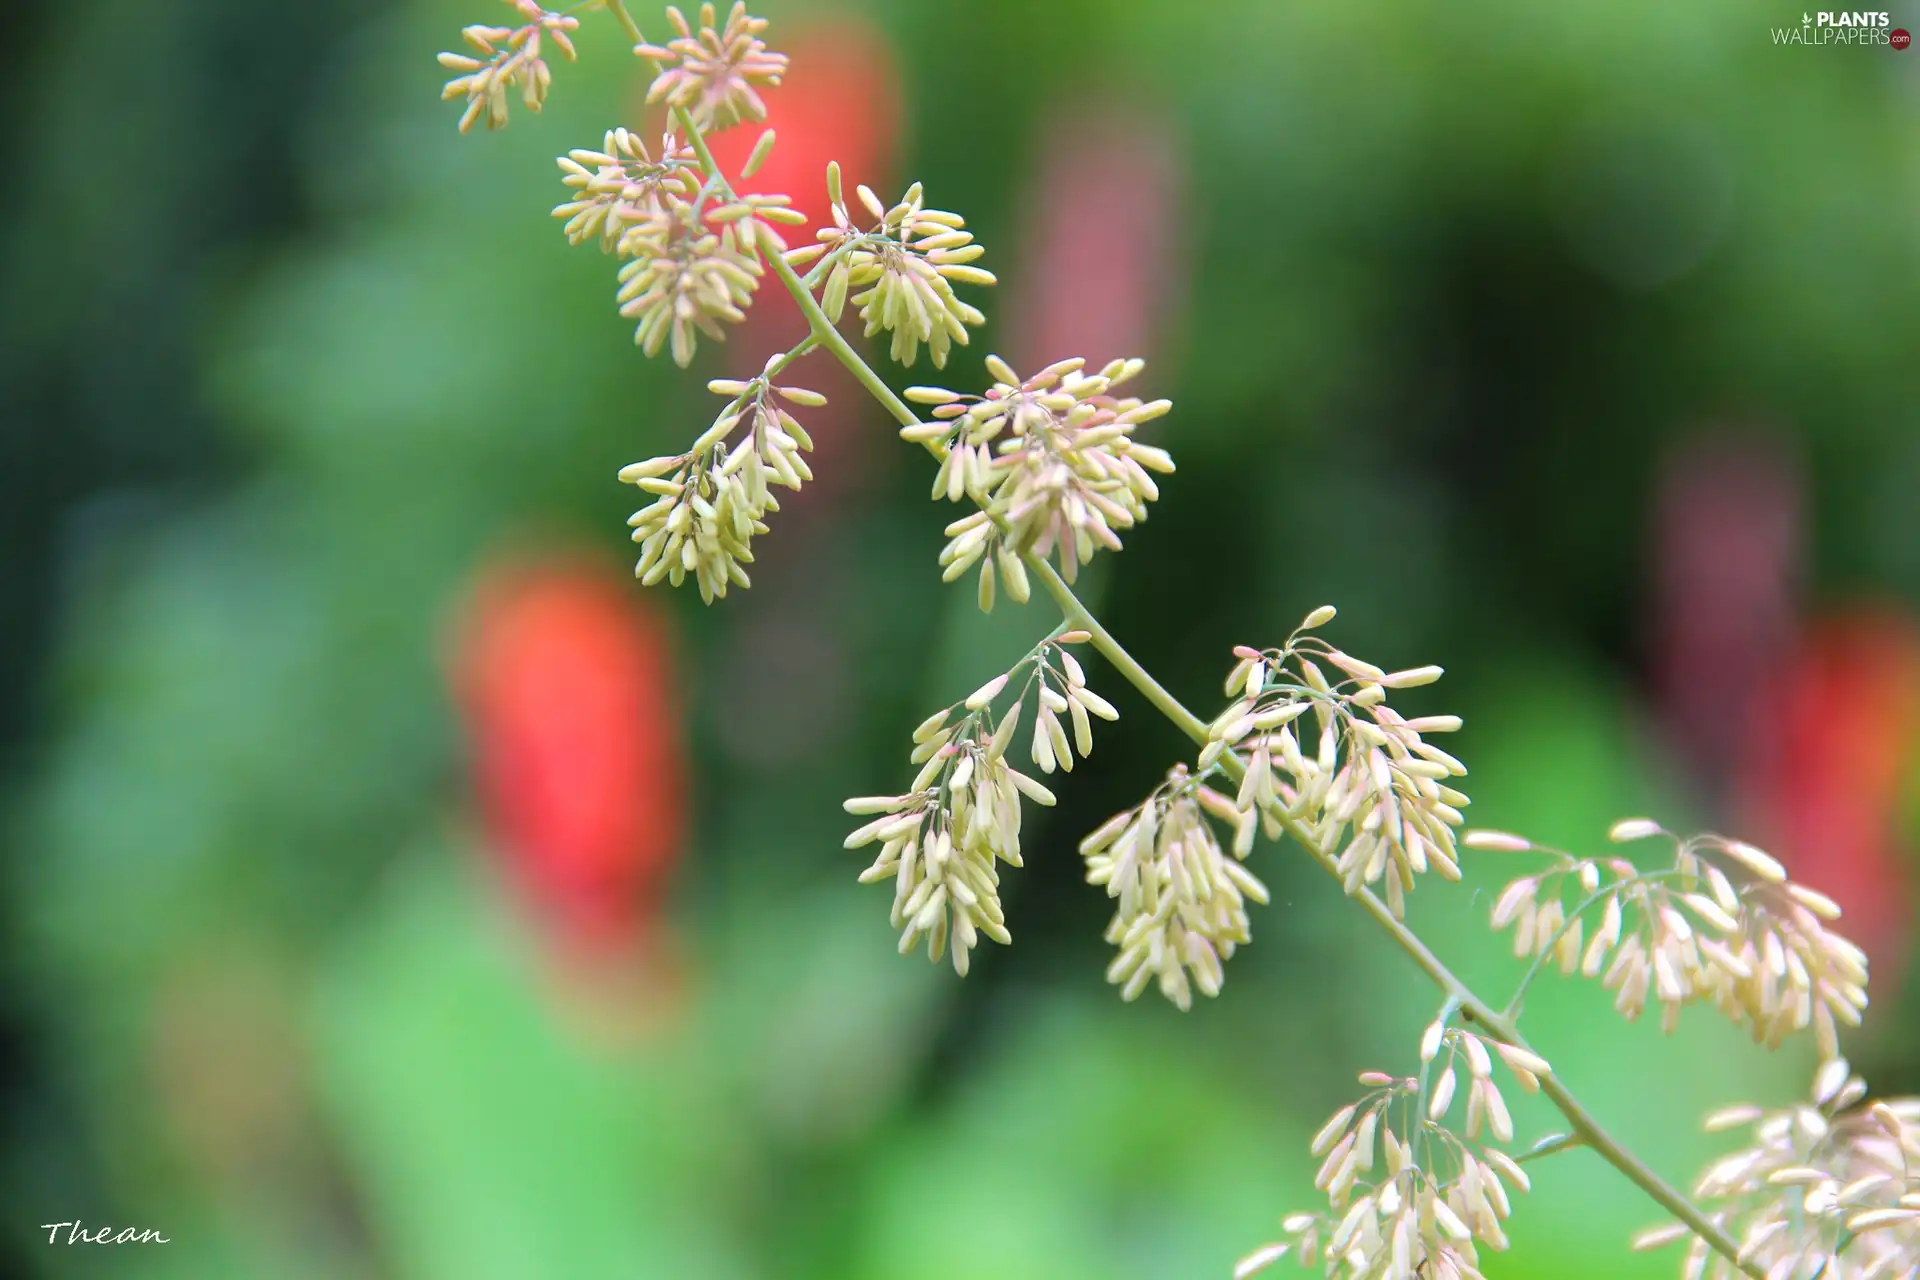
[(1101, 268), (1728, 539), (566, 678), (841, 101), (1827, 783)]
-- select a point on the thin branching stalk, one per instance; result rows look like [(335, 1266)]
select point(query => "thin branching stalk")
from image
[(714, 272), (1076, 614), (1582, 1121)]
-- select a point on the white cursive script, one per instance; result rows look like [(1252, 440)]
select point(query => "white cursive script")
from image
[(105, 1235)]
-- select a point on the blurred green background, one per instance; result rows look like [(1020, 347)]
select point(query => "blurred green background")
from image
[(394, 889)]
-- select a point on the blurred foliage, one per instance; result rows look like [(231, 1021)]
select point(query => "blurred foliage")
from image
[(286, 362)]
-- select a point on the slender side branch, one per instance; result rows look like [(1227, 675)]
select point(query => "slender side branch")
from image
[(619, 9), (1583, 1122), (1539, 964), (822, 328), (1081, 617), (1550, 1147), (1592, 900)]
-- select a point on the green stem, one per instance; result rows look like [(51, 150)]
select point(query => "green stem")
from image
[(1584, 1124), (1078, 615), (800, 348), (1082, 619), (822, 328), (619, 9), (1550, 1147), (812, 279), (779, 366), (1543, 954)]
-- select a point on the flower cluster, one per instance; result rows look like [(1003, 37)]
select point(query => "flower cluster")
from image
[(684, 279), (690, 266), (712, 500), (622, 184), (1829, 1187), (1061, 683), (1721, 923), (1051, 460), (1450, 1047), (1181, 901), (942, 839), (1443, 1194), (975, 539), (904, 266), (512, 60), (712, 73), (1372, 781)]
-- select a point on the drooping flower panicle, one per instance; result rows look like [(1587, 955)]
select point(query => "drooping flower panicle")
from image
[(622, 185), (694, 261), (899, 270), (715, 72), (1368, 783), (684, 279), (692, 266), (1829, 1187), (942, 840), (511, 60), (1180, 901), (712, 500), (1441, 1195), (1826, 1192), (1721, 924), (1051, 461)]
